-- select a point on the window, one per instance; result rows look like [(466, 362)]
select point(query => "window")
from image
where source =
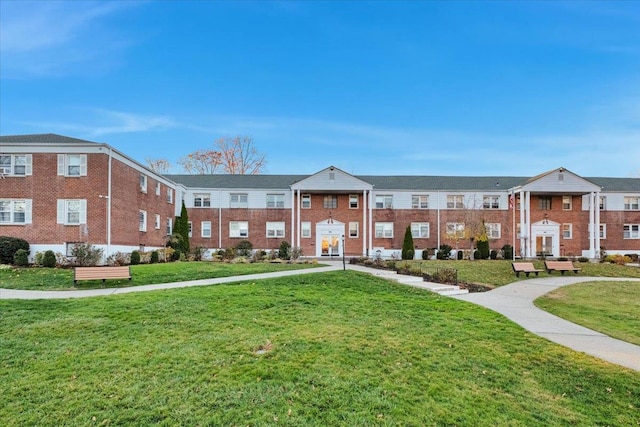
[(169, 195), (202, 200), (15, 164), (491, 202), (353, 201), (142, 220), (455, 202), (305, 229), (72, 212), (238, 200), (384, 202), (157, 188), (143, 183), (306, 201), (275, 229), (420, 229), (567, 203), (631, 203), (493, 230), (603, 203), (330, 201), (384, 230), (631, 231), (169, 226), (205, 229), (353, 229), (190, 228), (72, 164), (238, 229), (603, 231), (157, 222), (275, 200), (419, 202), (455, 229), (15, 211), (544, 203), (567, 231)]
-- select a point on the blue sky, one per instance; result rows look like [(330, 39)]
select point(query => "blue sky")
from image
[(389, 88)]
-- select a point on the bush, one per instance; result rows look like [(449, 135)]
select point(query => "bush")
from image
[(483, 249), (296, 252), (135, 258), (426, 254), (119, 259), (84, 254), (508, 251), (408, 251), (444, 252), (476, 255), (583, 259), (154, 257), (9, 246), (21, 258), (284, 251), (49, 259), (493, 254), (244, 248), (618, 259)]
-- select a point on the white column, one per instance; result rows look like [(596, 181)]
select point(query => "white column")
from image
[(523, 230), (364, 223), (295, 235), (597, 225), (528, 225), (369, 207), (591, 226)]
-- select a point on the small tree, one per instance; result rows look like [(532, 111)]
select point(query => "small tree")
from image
[(85, 254), (408, 250), (21, 258), (444, 252), (135, 257), (482, 242), (284, 251), (180, 237), (154, 257), (49, 259)]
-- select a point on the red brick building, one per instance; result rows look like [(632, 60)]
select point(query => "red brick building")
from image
[(56, 191)]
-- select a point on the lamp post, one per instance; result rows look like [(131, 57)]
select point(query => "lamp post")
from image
[(344, 266)]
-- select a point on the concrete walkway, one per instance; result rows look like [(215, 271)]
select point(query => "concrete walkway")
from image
[(514, 301)]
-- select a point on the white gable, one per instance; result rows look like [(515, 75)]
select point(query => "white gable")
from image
[(331, 179), (560, 181)]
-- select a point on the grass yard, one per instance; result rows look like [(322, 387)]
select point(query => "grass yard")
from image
[(612, 308), (38, 278), (500, 272), (331, 349)]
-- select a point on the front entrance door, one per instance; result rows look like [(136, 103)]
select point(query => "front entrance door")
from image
[(544, 246), (545, 237), (330, 245)]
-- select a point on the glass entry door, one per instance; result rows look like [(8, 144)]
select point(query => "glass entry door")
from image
[(544, 245), (330, 245)]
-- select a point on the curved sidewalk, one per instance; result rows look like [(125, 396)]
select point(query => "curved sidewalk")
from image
[(515, 301)]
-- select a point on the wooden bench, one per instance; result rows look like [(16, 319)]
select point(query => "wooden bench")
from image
[(101, 273), (560, 266), (524, 267)]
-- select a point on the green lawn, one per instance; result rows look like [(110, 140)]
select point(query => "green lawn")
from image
[(331, 349), (612, 308), (39, 278)]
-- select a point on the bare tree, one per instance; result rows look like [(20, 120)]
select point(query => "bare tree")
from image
[(160, 166), (240, 156), (237, 156), (201, 162)]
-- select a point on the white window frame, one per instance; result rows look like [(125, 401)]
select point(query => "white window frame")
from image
[(305, 201), (384, 230), (354, 201), (491, 202), (202, 200), (238, 229), (631, 203), (275, 201), (169, 226), (142, 220), (157, 222), (65, 164), (567, 203), (205, 229), (305, 229), (170, 195), (455, 229), (143, 183), (494, 230), (419, 201), (603, 231), (354, 229), (158, 189), (567, 231), (238, 200), (631, 231), (64, 209), (384, 201), (330, 201), (420, 230), (26, 162), (275, 229), (15, 207), (190, 223), (603, 203), (455, 201)]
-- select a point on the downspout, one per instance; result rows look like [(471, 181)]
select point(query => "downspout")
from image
[(109, 205), (220, 218)]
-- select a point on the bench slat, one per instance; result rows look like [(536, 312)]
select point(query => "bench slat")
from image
[(101, 273)]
